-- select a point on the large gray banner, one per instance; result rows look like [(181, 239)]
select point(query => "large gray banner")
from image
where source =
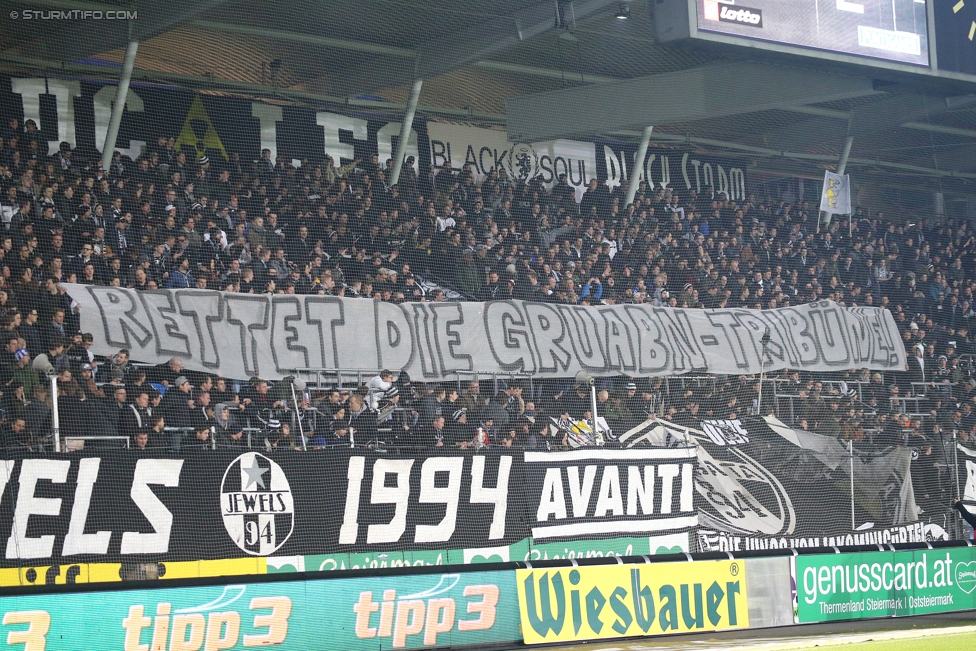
[(245, 335)]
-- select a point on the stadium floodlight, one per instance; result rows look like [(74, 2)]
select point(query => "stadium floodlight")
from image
[(623, 13), (42, 364), (585, 379)]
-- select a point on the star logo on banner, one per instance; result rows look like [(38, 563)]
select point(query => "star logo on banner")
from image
[(259, 527), (254, 474)]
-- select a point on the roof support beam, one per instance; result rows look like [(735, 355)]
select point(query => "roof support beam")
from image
[(470, 45), (405, 127), (497, 35), (396, 52), (918, 126), (118, 108), (634, 103), (938, 128), (547, 73), (825, 159), (365, 47), (845, 155), (638, 165), (890, 112), (956, 159), (17, 65), (822, 112), (306, 39)]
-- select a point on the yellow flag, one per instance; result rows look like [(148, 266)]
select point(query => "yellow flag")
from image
[(198, 135)]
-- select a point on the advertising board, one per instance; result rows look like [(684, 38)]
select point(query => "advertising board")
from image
[(834, 587), (358, 508), (382, 612), (601, 602)]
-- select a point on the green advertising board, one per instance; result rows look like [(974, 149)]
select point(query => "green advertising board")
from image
[(524, 550), (383, 612), (832, 587)]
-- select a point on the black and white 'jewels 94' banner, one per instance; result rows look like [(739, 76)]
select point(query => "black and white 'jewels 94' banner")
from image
[(126, 507), (244, 335), (257, 504), (753, 481)]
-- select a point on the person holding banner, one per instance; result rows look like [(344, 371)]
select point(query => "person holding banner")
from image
[(967, 515), (357, 426)]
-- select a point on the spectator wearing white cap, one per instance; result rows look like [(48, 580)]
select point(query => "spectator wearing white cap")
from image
[(460, 433), (278, 436), (388, 404), (87, 383)]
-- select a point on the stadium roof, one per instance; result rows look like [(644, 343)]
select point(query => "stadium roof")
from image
[(475, 55)]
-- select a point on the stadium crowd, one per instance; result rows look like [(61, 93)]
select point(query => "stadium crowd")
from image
[(163, 221)]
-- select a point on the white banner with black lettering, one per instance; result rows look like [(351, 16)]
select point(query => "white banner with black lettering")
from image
[(580, 161), (126, 507), (487, 149), (591, 492), (247, 335)]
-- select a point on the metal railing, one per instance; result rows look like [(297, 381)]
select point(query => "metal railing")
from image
[(935, 390), (188, 432), (351, 379), (124, 439), (785, 391), (912, 406), (331, 378), (185, 432), (682, 382), (465, 377)]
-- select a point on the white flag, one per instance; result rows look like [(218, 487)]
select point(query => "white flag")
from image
[(836, 195)]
